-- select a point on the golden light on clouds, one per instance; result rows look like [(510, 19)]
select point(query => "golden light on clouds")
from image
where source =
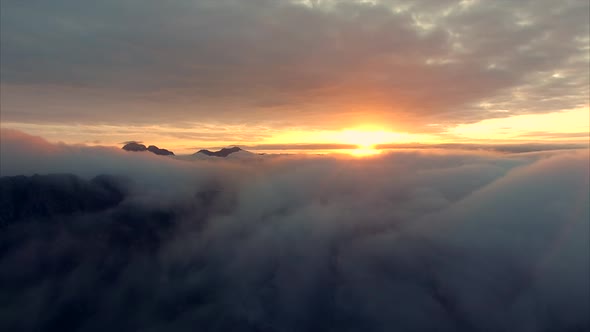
[(361, 140), (361, 136), (566, 125), (365, 138), (364, 151)]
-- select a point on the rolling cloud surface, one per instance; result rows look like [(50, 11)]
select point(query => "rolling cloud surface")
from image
[(429, 240)]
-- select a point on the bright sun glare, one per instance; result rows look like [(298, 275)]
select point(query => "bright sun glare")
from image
[(365, 140), (363, 151)]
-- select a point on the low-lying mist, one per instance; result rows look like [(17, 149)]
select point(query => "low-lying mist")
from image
[(98, 239)]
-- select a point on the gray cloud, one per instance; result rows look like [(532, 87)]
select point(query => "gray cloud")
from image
[(409, 241), (407, 62)]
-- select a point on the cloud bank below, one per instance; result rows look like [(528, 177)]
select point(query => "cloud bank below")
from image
[(429, 240)]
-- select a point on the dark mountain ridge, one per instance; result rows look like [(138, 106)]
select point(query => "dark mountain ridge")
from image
[(158, 151), (41, 196), (137, 147), (221, 153)]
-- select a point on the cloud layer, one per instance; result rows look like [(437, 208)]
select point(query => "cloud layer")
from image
[(408, 241), (322, 63)]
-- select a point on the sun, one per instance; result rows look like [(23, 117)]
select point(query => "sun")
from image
[(366, 140), (360, 141), (364, 151)]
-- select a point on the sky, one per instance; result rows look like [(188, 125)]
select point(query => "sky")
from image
[(472, 213), (281, 74)]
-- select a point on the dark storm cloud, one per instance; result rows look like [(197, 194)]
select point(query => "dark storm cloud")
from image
[(409, 61), (408, 241)]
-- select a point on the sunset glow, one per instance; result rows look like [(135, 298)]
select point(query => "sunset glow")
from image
[(368, 138), (365, 139), (567, 125), (564, 126), (364, 151), (295, 165)]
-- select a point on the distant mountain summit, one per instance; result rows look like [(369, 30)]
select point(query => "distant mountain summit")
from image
[(137, 147), (134, 146), (221, 153), (158, 151)]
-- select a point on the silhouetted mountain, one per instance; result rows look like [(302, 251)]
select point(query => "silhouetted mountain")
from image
[(134, 146), (221, 153), (42, 196), (158, 151)]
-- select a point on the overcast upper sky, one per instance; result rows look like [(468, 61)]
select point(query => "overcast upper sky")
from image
[(413, 66)]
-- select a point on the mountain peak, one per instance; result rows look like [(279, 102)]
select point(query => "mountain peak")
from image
[(221, 153), (158, 151), (134, 146)]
